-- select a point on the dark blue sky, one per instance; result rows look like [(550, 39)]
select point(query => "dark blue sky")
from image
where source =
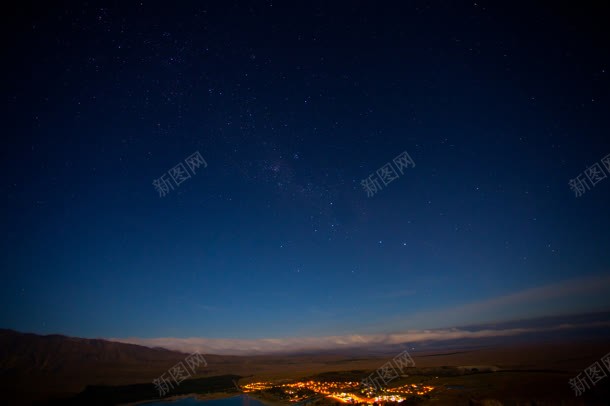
[(292, 106)]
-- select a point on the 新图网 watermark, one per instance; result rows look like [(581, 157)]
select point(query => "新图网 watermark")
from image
[(387, 372), (386, 174), (179, 174), (178, 373), (594, 372), (594, 173)]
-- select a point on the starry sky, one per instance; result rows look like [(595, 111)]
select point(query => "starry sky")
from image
[(292, 105)]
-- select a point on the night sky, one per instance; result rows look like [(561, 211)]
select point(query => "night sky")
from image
[(292, 106)]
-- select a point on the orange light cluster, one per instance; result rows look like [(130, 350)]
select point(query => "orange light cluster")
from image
[(344, 392)]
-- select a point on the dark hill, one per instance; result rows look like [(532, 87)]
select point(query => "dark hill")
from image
[(34, 367)]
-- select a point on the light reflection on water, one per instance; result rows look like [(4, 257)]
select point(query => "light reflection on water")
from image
[(240, 400)]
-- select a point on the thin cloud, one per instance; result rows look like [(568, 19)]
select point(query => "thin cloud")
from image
[(284, 345), (557, 298), (561, 292)]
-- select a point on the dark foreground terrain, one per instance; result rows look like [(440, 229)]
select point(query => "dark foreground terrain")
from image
[(59, 370)]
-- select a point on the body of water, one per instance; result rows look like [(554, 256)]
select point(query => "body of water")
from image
[(240, 400)]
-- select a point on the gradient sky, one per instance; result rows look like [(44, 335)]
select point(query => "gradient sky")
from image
[(292, 106)]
